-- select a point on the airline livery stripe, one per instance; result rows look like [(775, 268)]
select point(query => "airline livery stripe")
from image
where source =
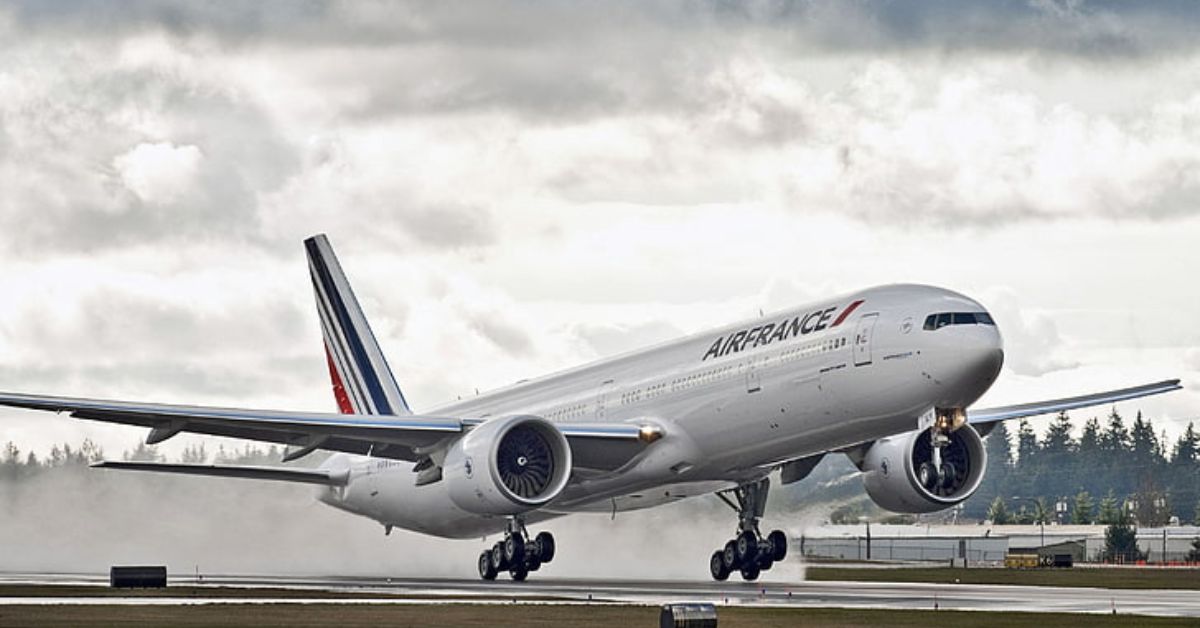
[(358, 352), (352, 369), (335, 340), (339, 391), (846, 312)]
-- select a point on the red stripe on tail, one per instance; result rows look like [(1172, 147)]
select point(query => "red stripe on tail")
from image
[(846, 312), (339, 391)]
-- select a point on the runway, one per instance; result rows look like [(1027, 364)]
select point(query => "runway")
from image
[(1182, 603)]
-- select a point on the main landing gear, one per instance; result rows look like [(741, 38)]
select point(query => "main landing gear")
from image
[(517, 553), (748, 552)]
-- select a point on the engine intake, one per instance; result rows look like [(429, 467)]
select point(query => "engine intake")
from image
[(903, 473), (507, 466)]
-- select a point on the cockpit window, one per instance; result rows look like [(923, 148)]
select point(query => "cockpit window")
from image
[(942, 319)]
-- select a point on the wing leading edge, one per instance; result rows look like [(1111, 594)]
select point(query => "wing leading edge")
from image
[(987, 416)]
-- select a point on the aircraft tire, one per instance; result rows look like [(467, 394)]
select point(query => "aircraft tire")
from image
[(747, 547), (730, 556), (498, 557), (514, 550), (519, 572), (545, 545), (778, 542), (716, 566), (750, 574), (487, 569)]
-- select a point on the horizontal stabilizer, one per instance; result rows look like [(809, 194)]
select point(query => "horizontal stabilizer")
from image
[(278, 474)]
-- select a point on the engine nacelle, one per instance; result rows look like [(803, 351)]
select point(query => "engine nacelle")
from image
[(507, 466), (900, 473)]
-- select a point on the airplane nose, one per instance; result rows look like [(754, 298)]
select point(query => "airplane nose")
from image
[(982, 357)]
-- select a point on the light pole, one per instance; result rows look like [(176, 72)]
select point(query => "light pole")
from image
[(867, 521)]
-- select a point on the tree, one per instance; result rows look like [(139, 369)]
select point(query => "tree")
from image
[(143, 453), (1143, 441), (1116, 438), (1193, 556), (998, 512), (1041, 512), (1120, 543), (1196, 516), (194, 454), (10, 466), (1058, 436), (1110, 512), (1185, 453), (1081, 512), (1027, 443)]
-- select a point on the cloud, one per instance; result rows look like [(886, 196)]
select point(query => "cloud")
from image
[(158, 173)]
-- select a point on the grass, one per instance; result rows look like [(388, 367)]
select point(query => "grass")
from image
[(453, 616), (1124, 578)]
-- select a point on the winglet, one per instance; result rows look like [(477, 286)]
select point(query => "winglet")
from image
[(362, 381)]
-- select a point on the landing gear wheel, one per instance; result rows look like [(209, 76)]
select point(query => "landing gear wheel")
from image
[(498, 557), (747, 547), (487, 570), (545, 545), (778, 541), (519, 572), (729, 554), (750, 574), (514, 550), (716, 565)]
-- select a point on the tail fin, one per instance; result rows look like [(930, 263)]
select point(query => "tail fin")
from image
[(362, 381)]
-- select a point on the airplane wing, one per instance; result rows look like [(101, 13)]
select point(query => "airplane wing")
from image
[(599, 446), (279, 474), (986, 417)]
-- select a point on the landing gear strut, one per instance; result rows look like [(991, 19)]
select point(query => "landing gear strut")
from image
[(517, 553), (748, 552)]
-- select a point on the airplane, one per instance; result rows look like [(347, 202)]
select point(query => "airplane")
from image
[(887, 376)]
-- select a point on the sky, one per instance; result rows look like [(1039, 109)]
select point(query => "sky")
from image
[(518, 187)]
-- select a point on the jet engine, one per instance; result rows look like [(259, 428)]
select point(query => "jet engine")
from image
[(908, 474), (507, 466)]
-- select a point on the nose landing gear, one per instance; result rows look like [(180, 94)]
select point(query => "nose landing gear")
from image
[(517, 553), (749, 552)]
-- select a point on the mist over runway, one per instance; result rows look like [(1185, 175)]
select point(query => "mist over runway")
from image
[(908, 596)]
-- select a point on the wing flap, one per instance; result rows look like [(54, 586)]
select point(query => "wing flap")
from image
[(278, 474), (1004, 413)]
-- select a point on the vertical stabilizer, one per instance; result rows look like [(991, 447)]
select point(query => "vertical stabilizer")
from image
[(362, 381)]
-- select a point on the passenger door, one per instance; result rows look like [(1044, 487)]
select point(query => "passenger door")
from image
[(862, 339)]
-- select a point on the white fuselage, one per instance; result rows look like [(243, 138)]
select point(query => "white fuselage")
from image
[(733, 402)]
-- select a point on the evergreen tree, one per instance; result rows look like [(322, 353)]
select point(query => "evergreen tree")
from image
[(1185, 453), (1120, 543), (1058, 440), (1144, 443), (194, 454), (1116, 438), (1041, 512), (1081, 512), (143, 453), (1027, 444), (1110, 512), (998, 512), (10, 465)]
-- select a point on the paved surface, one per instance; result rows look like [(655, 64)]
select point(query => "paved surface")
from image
[(797, 594)]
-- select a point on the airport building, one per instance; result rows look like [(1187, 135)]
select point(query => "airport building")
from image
[(981, 543)]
